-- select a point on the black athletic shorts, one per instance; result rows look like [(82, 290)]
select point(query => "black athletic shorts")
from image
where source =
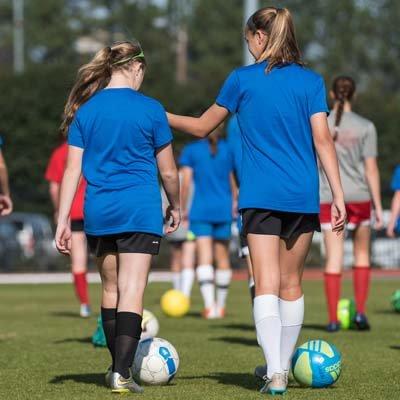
[(286, 225), (77, 225), (131, 242)]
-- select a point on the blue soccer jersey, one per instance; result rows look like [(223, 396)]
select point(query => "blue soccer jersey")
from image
[(279, 167), (212, 198), (120, 131)]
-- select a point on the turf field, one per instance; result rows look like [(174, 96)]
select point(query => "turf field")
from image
[(45, 348)]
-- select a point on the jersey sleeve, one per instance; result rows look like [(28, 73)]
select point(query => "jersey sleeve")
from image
[(395, 184), (75, 137), (55, 168), (229, 95), (370, 146), (162, 134), (186, 158), (317, 101)]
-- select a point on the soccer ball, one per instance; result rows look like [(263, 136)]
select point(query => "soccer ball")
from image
[(316, 364), (396, 300), (156, 362), (346, 312), (174, 303), (150, 326)]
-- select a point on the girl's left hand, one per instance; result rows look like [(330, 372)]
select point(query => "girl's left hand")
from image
[(63, 238)]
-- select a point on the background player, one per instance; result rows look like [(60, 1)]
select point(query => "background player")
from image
[(356, 145), (118, 137), (393, 225), (207, 165), (6, 204), (79, 258), (281, 108)]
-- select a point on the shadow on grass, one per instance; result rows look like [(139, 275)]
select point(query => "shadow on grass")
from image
[(315, 327), (385, 311), (395, 347), (194, 314), (74, 340), (65, 314), (236, 340), (239, 327), (91, 379), (241, 379)]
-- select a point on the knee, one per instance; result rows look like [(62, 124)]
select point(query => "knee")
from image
[(290, 288)]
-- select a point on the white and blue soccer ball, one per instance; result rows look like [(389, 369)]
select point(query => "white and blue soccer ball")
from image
[(316, 364), (156, 362)]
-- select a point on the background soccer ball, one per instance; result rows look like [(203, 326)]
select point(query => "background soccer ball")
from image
[(316, 364), (156, 362), (174, 303), (150, 325), (396, 300), (346, 313)]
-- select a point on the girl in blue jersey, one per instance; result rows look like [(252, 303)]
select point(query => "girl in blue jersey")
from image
[(208, 166), (282, 113), (117, 138)]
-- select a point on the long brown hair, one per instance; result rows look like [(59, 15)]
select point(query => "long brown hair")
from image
[(343, 88), (96, 75), (281, 47)]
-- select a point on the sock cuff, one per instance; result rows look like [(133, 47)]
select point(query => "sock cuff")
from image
[(108, 314), (187, 271), (292, 312), (223, 277), (361, 267), (205, 273), (338, 274), (265, 306), (129, 324)]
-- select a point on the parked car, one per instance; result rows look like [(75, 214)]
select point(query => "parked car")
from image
[(35, 236), (10, 248)]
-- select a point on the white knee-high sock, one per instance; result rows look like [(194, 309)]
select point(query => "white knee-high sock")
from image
[(222, 280), (187, 279), (205, 277), (176, 280), (292, 316), (269, 330)]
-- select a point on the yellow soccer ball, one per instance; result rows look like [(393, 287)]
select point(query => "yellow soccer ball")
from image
[(174, 303)]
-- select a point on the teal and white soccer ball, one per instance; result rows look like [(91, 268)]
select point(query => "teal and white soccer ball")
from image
[(316, 364), (156, 362)]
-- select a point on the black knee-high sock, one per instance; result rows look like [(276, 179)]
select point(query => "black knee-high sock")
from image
[(109, 320), (129, 329)]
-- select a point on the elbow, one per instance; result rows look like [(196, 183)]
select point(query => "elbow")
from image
[(169, 175), (200, 133)]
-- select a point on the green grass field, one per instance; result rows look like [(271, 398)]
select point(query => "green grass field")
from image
[(45, 348)]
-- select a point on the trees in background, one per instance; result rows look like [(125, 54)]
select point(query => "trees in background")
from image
[(357, 37)]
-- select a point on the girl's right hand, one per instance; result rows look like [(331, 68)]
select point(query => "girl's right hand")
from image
[(338, 215), (63, 238), (175, 215)]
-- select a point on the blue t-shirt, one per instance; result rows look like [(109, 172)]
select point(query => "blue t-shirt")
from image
[(395, 185), (120, 131), (212, 197), (234, 139), (279, 166)]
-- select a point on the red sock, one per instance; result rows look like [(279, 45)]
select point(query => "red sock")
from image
[(361, 278), (81, 287), (332, 293)]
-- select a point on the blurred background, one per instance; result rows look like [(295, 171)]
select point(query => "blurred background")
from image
[(190, 46)]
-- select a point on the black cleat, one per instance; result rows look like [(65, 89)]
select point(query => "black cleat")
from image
[(361, 322), (333, 327)]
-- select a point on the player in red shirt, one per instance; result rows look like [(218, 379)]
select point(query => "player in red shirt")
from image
[(54, 175)]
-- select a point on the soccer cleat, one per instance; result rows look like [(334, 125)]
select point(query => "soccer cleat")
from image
[(333, 327), (276, 385), (121, 385), (261, 372), (85, 311), (107, 377), (220, 312), (361, 322), (209, 313)]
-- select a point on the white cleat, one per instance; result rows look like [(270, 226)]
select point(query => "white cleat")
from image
[(277, 385), (121, 385), (85, 311), (261, 372)]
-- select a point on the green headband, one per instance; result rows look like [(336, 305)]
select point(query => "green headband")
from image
[(126, 60)]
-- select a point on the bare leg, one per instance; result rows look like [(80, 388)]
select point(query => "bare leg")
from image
[(188, 262), (79, 266), (176, 264)]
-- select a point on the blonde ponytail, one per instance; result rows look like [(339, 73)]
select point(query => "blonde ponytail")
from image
[(96, 75), (281, 47)]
